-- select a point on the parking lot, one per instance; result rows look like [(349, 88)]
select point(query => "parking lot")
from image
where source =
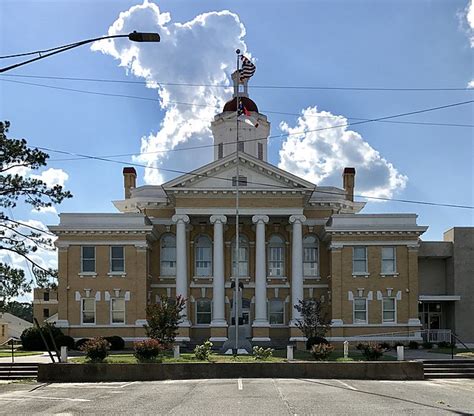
[(242, 397)]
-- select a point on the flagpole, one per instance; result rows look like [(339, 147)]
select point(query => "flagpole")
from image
[(237, 183)]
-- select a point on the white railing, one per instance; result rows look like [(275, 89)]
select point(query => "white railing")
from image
[(436, 335)]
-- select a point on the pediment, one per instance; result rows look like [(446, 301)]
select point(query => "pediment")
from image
[(218, 175)]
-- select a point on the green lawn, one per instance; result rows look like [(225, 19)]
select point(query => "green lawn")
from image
[(8, 353), (457, 351), (278, 356)]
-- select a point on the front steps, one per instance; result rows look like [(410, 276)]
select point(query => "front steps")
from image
[(448, 368), (18, 371)]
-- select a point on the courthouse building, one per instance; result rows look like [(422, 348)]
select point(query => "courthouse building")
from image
[(297, 241)]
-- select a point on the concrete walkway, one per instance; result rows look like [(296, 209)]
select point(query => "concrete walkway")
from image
[(40, 358), (426, 355)]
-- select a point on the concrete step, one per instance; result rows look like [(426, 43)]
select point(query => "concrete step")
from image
[(17, 371), (449, 375), (448, 370), (455, 361)]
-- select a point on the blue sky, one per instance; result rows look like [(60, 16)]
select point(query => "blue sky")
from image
[(311, 43)]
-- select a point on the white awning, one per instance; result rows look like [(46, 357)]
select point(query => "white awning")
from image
[(439, 298)]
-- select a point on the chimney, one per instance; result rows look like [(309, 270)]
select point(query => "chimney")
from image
[(129, 181), (348, 182)]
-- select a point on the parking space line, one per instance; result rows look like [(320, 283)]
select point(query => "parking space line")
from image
[(67, 399), (347, 385), (240, 384)]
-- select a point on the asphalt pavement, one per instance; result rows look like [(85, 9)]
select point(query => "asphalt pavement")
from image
[(241, 397)]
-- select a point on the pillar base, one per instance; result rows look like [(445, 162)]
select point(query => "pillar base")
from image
[(183, 334), (260, 333), (218, 333)]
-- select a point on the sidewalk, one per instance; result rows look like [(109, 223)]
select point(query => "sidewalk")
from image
[(40, 358), (426, 355)]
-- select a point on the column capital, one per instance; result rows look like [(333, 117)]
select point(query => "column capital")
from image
[(260, 218), (297, 218), (180, 218), (218, 219)]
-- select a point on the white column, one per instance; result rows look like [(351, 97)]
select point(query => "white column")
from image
[(261, 319), (182, 262), (296, 264), (218, 289)]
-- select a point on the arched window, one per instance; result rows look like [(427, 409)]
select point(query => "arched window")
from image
[(310, 256), (168, 255), (276, 256), (241, 267), (203, 311), (203, 256), (276, 311)]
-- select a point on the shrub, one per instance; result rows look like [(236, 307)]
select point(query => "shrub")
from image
[(116, 342), (314, 341), (372, 351), (65, 341), (398, 344), (148, 350), (321, 351), (203, 352), (360, 346), (444, 344), (385, 345), (427, 345), (96, 349), (261, 353), (413, 345), (31, 338), (80, 343)]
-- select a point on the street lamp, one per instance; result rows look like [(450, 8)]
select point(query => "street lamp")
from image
[(134, 37)]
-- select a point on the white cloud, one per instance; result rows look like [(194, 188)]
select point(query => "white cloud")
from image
[(200, 51), (45, 210), (321, 156), (470, 84), (470, 21), (52, 177)]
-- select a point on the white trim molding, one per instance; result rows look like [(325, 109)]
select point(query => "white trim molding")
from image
[(438, 298)]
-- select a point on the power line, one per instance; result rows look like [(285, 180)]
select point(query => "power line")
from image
[(252, 182), (183, 84), (37, 53), (302, 132)]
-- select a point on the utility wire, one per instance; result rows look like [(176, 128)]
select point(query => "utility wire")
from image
[(297, 133), (36, 53), (199, 175), (183, 84)]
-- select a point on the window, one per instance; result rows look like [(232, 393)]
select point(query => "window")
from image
[(242, 181), (117, 309), (389, 313), (203, 261), (117, 259), (88, 259), (260, 151), (360, 310), (168, 255), (242, 268), (310, 256), (388, 260), (46, 296), (240, 146), (276, 256), (203, 311), (359, 260), (45, 313), (220, 150), (276, 312), (88, 311)]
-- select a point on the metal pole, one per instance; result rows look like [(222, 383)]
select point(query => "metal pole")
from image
[(237, 214), (13, 354)]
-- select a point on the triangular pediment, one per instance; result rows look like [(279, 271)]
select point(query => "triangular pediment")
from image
[(217, 175)]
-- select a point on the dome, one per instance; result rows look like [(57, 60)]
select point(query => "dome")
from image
[(247, 102)]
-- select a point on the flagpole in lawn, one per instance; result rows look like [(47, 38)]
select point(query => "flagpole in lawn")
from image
[(237, 183)]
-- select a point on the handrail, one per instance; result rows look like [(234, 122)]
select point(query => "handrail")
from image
[(452, 344)]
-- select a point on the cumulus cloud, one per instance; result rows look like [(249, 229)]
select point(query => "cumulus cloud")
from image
[(470, 21), (199, 51), (52, 177), (320, 156)]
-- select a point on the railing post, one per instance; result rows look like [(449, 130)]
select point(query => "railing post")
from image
[(452, 347)]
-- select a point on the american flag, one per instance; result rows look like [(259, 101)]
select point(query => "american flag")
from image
[(248, 68)]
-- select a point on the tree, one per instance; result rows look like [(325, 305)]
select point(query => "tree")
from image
[(313, 322), (23, 310), (17, 237), (164, 318)]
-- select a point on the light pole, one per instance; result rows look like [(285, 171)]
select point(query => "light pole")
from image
[(134, 37)]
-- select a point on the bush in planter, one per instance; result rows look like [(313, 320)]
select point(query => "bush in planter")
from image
[(360, 346), (80, 343), (321, 351), (427, 345), (65, 341), (413, 345), (444, 344), (386, 346), (372, 351), (116, 342), (261, 353), (96, 349), (148, 351), (314, 341), (203, 351)]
